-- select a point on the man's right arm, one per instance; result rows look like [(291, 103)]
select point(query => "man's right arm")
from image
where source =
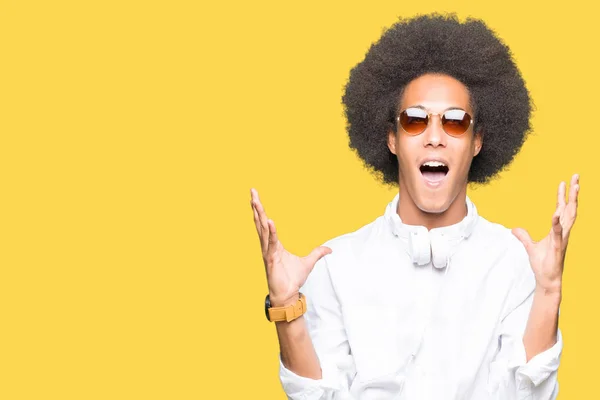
[(316, 363), (296, 348)]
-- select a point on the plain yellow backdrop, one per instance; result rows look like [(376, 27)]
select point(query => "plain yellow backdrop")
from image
[(132, 131)]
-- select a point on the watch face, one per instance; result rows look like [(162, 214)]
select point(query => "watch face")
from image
[(267, 306)]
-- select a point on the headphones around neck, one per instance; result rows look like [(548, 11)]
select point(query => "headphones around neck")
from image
[(436, 245), (426, 246)]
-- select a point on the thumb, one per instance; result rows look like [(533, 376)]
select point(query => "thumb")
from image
[(316, 255), (524, 238)]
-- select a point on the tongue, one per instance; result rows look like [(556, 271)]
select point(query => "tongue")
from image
[(433, 176)]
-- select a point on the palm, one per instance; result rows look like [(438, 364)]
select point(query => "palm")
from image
[(548, 255), (286, 272), (544, 258)]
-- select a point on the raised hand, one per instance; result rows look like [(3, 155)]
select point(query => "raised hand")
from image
[(286, 272), (547, 257)]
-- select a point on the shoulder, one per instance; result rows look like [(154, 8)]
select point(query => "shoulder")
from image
[(498, 241), (493, 235), (357, 253), (357, 241), (347, 252)]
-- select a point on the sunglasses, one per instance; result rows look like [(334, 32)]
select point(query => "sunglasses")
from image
[(414, 121)]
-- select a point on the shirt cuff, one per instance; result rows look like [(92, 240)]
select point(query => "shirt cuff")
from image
[(299, 387), (539, 367)]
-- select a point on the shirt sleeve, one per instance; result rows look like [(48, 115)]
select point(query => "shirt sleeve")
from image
[(326, 329), (511, 376)]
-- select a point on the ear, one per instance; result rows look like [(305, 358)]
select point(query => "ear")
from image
[(478, 143), (391, 142)]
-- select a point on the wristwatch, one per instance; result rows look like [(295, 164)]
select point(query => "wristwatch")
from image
[(289, 313)]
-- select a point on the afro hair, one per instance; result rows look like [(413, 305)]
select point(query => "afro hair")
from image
[(469, 52)]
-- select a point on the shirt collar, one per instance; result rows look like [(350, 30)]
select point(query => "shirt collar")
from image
[(458, 231)]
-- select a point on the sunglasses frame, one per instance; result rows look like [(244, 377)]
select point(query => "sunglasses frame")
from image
[(429, 114)]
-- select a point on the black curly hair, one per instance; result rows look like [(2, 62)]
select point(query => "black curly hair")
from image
[(469, 52)]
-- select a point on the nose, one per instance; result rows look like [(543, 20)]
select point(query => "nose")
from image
[(434, 134)]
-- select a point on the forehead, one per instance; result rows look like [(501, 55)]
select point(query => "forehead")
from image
[(436, 93)]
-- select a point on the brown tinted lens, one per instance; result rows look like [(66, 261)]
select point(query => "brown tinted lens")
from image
[(414, 120), (456, 122)]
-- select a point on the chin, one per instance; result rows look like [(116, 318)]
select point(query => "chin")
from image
[(433, 204)]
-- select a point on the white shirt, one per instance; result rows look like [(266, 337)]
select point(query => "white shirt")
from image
[(400, 312)]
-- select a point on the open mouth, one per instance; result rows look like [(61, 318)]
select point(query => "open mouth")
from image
[(434, 171)]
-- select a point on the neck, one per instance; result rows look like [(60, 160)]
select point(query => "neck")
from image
[(410, 214)]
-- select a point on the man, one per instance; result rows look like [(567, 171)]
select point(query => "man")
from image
[(430, 300)]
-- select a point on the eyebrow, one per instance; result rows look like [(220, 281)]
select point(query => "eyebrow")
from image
[(426, 109)]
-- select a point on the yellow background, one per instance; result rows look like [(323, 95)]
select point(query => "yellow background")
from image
[(131, 133)]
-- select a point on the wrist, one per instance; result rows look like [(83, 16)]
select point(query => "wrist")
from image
[(283, 300), (551, 292)]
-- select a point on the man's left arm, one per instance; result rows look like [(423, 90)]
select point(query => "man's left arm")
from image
[(542, 325), (534, 356), (526, 366)]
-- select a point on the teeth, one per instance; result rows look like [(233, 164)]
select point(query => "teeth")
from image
[(434, 164)]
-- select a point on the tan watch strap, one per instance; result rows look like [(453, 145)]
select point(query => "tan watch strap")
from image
[(288, 313)]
